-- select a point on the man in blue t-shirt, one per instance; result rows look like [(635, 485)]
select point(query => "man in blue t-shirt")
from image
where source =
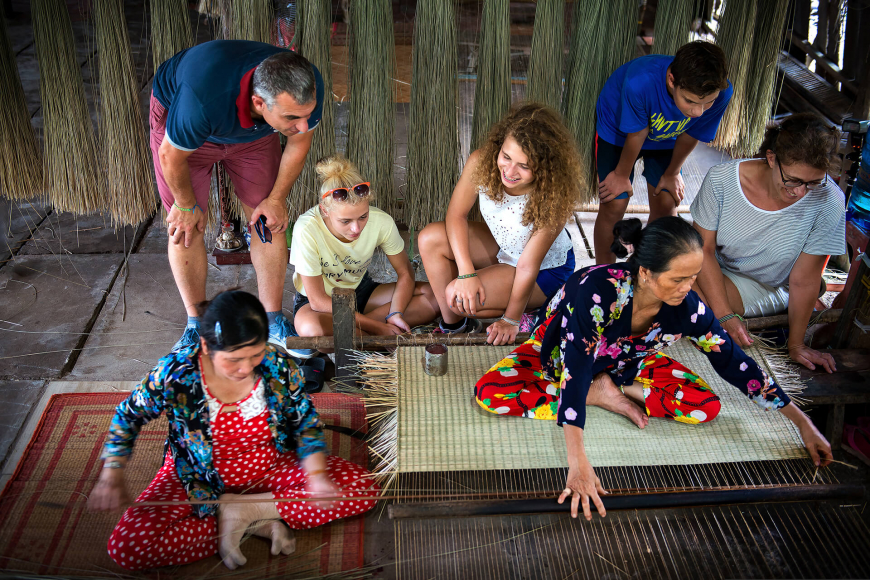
[(656, 107), (226, 101)]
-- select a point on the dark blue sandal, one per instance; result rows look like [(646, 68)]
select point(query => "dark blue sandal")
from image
[(312, 373)]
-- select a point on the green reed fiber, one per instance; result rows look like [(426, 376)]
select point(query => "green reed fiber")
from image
[(72, 179), (20, 162), (170, 29), (736, 32), (372, 112), (673, 25), (603, 38), (433, 133), (492, 91), (124, 147), (546, 62), (242, 19), (314, 25)]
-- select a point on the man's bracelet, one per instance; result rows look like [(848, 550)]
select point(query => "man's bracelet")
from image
[(464, 276), (196, 205), (391, 314), (510, 321), (728, 317)]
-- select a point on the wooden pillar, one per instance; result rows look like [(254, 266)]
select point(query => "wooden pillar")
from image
[(343, 328), (857, 295), (834, 425)]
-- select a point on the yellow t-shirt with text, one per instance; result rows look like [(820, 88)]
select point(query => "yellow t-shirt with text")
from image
[(316, 252)]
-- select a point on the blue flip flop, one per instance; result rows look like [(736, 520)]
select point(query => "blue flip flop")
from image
[(312, 372)]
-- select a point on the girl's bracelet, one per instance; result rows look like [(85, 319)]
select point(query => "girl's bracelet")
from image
[(728, 317), (465, 276), (391, 314), (510, 321)]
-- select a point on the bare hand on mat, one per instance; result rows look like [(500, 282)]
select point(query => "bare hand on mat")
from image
[(737, 331), (613, 185), (674, 185), (462, 296), (321, 485), (399, 322), (810, 358), (180, 225), (501, 332), (584, 486), (110, 493), (275, 212), (816, 444)]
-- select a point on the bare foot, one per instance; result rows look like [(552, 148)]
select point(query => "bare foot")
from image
[(283, 540), (234, 520), (604, 393)]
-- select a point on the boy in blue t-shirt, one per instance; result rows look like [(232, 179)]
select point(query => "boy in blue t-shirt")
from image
[(656, 107)]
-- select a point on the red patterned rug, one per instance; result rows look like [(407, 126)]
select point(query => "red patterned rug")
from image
[(45, 527)]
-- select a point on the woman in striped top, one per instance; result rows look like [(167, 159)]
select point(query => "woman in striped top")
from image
[(769, 225)]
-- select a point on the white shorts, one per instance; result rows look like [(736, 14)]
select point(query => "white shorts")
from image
[(759, 299)]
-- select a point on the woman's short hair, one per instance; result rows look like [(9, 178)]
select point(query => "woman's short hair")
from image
[(802, 138), (338, 171), (232, 320), (656, 245)]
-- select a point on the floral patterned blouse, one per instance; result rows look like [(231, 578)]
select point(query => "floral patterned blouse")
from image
[(592, 334), (174, 387)]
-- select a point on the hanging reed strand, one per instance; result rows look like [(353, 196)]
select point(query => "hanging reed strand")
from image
[(546, 61), (170, 29), (314, 24), (492, 91), (242, 19), (602, 40), (20, 160), (735, 38), (433, 133), (123, 142), (372, 112), (673, 25), (71, 176)]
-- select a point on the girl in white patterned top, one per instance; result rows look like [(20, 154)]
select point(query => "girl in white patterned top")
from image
[(528, 180)]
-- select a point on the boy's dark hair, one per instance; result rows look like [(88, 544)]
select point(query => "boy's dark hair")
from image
[(802, 138), (700, 68)]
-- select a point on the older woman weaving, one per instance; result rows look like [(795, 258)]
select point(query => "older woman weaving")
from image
[(238, 422), (601, 341)]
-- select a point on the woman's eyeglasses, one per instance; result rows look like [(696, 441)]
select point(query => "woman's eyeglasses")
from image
[(341, 193), (792, 183)]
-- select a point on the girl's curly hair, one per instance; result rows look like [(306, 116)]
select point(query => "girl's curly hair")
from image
[(553, 159)]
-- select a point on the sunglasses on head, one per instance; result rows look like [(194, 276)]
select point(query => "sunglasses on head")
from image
[(341, 193)]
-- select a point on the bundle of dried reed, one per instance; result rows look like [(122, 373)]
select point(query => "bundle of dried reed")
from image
[(372, 112), (673, 24), (314, 27), (123, 141), (241, 19), (170, 29), (546, 61), (735, 36), (433, 132), (20, 162), (73, 181), (492, 91)]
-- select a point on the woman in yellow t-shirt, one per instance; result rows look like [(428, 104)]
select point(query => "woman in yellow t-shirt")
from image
[(333, 245)]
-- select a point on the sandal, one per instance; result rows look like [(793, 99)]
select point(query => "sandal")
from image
[(313, 375)]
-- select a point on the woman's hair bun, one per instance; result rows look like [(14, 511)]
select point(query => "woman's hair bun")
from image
[(333, 167), (626, 232)]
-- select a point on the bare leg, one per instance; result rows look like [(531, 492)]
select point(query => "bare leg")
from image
[(498, 282), (189, 270), (604, 393), (608, 214), (660, 205), (282, 537), (234, 520), (270, 263), (421, 309), (735, 301)]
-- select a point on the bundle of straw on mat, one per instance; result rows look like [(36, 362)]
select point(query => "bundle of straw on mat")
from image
[(73, 181), (433, 141), (603, 39), (20, 163), (372, 113), (124, 145), (736, 31), (545, 62), (673, 24), (170, 29), (314, 25), (492, 91)]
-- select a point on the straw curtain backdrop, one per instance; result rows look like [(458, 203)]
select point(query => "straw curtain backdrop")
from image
[(673, 25), (370, 140), (433, 134), (313, 26), (20, 158), (547, 56), (170, 29), (735, 38), (492, 91), (72, 178)]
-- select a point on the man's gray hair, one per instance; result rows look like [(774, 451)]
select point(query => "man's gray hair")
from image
[(285, 72)]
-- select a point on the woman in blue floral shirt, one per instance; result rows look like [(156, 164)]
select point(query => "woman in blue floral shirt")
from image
[(601, 341), (239, 422)]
